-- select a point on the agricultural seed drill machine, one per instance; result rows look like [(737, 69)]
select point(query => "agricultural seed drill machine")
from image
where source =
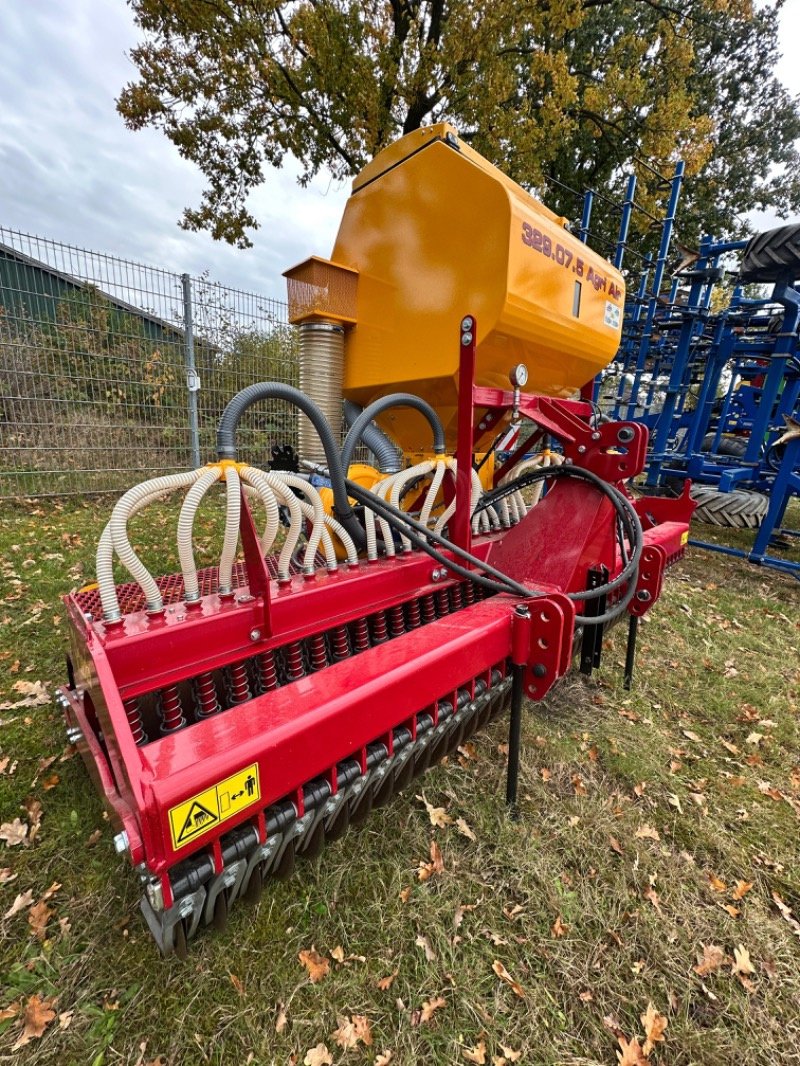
[(236, 717)]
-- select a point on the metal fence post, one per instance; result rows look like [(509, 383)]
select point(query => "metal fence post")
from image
[(192, 377)]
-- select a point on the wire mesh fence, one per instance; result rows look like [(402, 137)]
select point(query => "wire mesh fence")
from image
[(112, 371)]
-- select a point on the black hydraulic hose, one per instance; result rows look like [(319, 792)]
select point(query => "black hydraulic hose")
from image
[(385, 452), (621, 504), (275, 390), (396, 399), (404, 524)]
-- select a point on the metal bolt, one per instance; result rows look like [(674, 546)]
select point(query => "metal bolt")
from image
[(255, 634), (581, 449), (643, 595), (539, 670), (466, 323), (73, 734), (522, 610), (482, 424), (466, 338), (121, 842), (89, 616), (595, 435)]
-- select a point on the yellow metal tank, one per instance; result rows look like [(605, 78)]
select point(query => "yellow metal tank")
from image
[(432, 231)]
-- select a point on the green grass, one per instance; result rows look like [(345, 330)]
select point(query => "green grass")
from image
[(718, 662)]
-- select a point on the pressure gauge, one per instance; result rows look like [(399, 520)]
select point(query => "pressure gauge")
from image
[(519, 376)]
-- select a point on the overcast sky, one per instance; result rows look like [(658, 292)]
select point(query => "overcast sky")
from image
[(70, 170)]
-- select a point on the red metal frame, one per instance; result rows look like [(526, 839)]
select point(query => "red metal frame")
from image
[(302, 729)]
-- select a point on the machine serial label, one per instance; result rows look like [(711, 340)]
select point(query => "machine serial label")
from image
[(540, 242), (613, 315), (201, 813)]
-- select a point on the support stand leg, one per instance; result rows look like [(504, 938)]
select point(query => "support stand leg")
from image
[(630, 651), (514, 732)]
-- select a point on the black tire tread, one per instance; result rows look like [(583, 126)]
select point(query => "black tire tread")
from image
[(737, 510), (772, 255)]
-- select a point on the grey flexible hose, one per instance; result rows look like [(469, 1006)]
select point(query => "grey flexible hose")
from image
[(386, 454), (275, 390), (395, 399)]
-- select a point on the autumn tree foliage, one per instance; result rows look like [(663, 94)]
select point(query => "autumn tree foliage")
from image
[(576, 92)]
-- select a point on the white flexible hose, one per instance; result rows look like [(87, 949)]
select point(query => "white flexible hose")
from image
[(420, 470), (186, 531), (119, 531), (266, 480), (433, 492), (475, 495), (347, 541), (233, 511), (317, 517), (369, 523), (104, 562), (264, 493)]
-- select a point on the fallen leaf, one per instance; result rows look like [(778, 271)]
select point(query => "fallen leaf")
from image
[(6, 875), (38, 917), (424, 943), (673, 801), (23, 900), (730, 747), (504, 975), (318, 1056), (405, 894), (741, 962), (386, 983), (93, 837), (435, 866), (713, 958), (461, 910), (438, 815), (741, 889), (646, 832), (631, 1052), (338, 954), (545, 774), (13, 833), (578, 786), (692, 736), (476, 1054), (11, 1011), (34, 693), (510, 1054), (586, 996), (384, 1058), (50, 782), (465, 830), (652, 896), (615, 845), (282, 1019), (34, 809), (734, 912), (429, 1008), (513, 912), (559, 929), (654, 1025), (786, 913), (316, 964), (716, 884), (38, 1015), (754, 739), (353, 1030)]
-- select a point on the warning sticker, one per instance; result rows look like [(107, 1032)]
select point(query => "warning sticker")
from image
[(612, 317), (195, 816), (685, 538)]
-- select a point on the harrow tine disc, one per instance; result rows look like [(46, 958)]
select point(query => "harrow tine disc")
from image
[(255, 886), (285, 867), (220, 918), (180, 944)]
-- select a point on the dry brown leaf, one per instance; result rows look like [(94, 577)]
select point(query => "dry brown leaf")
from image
[(438, 815), (38, 1015), (716, 883), (429, 1008), (734, 912), (384, 1058), (510, 1054), (405, 894), (353, 1030), (435, 866), (691, 736), (559, 929), (316, 964), (424, 943), (13, 833), (476, 1054), (730, 747), (34, 809), (38, 917), (93, 837), (7, 876), (282, 1020), (338, 953), (713, 958), (318, 1056), (615, 845), (461, 910), (786, 913), (386, 983), (23, 900), (630, 1053), (50, 782), (513, 912), (11, 1011), (546, 774), (578, 786), (741, 889), (646, 832), (465, 830), (51, 891), (504, 975), (652, 896), (742, 964), (654, 1025)]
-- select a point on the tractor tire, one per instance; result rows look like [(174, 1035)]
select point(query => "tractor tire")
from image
[(736, 510), (772, 256), (734, 446)]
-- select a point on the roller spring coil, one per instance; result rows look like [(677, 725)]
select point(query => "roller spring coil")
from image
[(134, 716), (413, 615), (267, 674), (397, 623), (294, 661), (171, 710), (238, 684), (340, 645), (318, 652), (206, 692), (379, 631), (361, 635)]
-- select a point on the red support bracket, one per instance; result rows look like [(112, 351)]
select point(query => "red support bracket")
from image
[(258, 577), (541, 641), (461, 523)]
